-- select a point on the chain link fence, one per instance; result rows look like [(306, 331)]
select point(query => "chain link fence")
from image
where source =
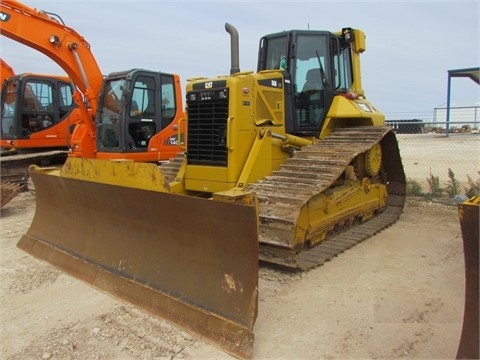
[(440, 160)]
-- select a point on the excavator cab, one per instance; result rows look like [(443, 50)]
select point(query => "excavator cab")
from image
[(31, 106), (137, 112), (317, 66)]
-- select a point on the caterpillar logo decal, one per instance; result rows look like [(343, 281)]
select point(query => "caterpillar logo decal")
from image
[(4, 16), (273, 83)]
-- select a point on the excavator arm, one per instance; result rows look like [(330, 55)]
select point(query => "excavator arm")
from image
[(59, 42)]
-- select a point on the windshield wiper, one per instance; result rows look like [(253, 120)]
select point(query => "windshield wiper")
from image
[(322, 71)]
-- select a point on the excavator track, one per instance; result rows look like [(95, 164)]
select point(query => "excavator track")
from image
[(8, 190), (313, 170)]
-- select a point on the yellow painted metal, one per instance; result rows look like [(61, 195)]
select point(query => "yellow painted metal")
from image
[(341, 205), (125, 173), (346, 113), (373, 160)]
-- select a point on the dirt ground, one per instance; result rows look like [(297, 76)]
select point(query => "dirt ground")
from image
[(399, 294)]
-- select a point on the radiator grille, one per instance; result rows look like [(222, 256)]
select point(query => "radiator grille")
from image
[(207, 127)]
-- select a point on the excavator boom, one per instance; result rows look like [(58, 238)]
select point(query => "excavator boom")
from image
[(57, 41), (146, 134), (6, 71)]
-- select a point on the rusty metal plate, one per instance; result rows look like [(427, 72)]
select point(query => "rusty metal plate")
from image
[(189, 260), (468, 214)]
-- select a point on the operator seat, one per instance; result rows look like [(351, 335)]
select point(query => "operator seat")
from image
[(310, 103), (313, 80)]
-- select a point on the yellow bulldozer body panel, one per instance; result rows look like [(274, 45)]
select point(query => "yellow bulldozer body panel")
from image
[(345, 112), (342, 205)]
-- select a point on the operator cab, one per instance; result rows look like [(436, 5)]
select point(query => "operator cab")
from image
[(134, 106), (317, 65), (32, 103)]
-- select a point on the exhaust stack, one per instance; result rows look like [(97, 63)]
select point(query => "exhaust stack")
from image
[(235, 57)]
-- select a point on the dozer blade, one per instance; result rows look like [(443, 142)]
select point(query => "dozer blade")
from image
[(191, 261)]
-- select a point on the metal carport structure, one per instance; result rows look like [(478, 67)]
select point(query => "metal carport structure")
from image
[(472, 73)]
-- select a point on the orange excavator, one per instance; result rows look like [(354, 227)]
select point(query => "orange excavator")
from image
[(138, 110), (6, 71), (38, 115)]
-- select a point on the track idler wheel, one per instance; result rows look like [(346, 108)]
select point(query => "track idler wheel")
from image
[(368, 163)]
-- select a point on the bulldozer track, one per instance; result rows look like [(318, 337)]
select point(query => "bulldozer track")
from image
[(309, 172), (314, 170)]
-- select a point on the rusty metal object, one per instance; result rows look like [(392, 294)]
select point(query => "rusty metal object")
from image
[(198, 269), (14, 166), (468, 213), (9, 190), (315, 170)]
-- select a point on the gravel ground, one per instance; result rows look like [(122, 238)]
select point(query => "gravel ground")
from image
[(399, 294)]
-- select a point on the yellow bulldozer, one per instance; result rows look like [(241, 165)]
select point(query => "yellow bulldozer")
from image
[(290, 164)]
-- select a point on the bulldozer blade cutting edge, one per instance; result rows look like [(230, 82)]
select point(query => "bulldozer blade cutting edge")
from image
[(188, 260)]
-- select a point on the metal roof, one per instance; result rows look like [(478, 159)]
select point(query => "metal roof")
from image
[(472, 73)]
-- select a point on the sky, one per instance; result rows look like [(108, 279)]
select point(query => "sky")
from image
[(410, 44)]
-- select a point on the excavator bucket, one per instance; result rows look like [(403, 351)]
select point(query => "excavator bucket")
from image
[(189, 260)]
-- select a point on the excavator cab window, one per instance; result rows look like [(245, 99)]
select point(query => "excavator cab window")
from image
[(38, 106), (141, 123), (110, 112), (9, 101), (168, 100), (65, 99), (43, 104), (135, 105)]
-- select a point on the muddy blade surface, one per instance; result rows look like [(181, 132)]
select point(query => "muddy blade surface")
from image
[(468, 213), (191, 261)]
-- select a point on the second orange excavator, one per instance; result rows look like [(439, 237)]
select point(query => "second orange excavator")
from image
[(138, 110)]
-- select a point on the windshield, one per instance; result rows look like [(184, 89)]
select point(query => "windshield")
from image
[(310, 79), (311, 63), (111, 105), (110, 112)]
